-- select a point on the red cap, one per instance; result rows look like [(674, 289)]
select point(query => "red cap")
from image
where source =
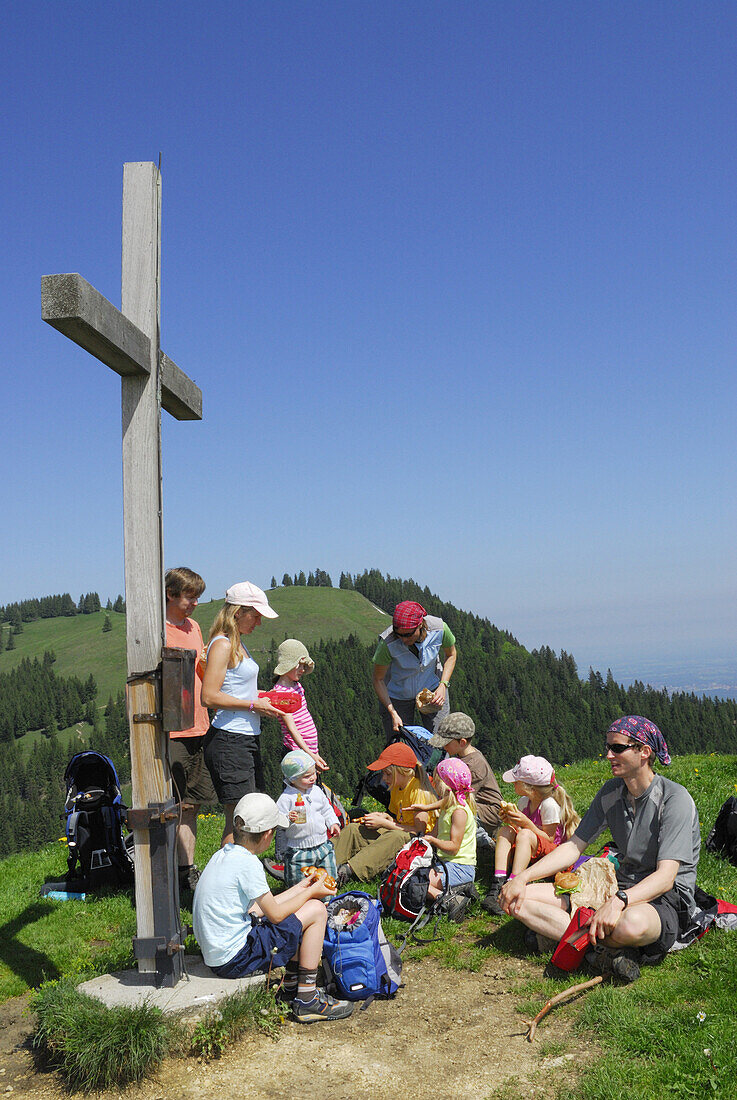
[(408, 615), (399, 754)]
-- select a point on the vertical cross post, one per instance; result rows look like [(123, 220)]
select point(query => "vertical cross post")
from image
[(127, 341), (143, 534)]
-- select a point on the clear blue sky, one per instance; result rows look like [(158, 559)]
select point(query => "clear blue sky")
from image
[(458, 282)]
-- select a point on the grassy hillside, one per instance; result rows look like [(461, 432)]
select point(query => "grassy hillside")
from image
[(81, 648), (657, 1030), (310, 614)]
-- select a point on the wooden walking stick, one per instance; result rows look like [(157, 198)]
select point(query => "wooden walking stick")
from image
[(558, 999)]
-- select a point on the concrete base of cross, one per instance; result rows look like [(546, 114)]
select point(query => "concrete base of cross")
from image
[(199, 990)]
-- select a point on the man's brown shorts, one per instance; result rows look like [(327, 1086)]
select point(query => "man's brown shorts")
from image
[(192, 781)]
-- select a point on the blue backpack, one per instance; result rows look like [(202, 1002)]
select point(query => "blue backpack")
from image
[(360, 961)]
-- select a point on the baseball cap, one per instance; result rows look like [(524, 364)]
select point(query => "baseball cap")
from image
[(258, 813), (246, 594), (531, 769), (398, 753), (454, 725)]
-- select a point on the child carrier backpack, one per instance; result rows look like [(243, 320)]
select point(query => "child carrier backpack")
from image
[(722, 840), (418, 739), (94, 821), (403, 890), (360, 962)]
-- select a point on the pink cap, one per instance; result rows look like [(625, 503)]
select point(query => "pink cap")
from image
[(246, 594), (531, 769)]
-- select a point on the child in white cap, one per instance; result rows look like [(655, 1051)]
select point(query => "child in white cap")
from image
[(311, 820), (242, 928), (543, 818)]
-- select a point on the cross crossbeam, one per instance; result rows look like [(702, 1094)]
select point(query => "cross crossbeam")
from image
[(71, 305)]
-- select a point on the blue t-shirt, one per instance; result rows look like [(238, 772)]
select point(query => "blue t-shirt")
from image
[(233, 879)]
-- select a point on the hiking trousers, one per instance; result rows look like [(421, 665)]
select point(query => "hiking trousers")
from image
[(369, 851)]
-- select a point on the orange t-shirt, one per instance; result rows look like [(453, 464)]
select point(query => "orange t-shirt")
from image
[(189, 636)]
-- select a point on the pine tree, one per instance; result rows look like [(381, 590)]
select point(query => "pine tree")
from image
[(273, 582), (107, 626), (286, 581)]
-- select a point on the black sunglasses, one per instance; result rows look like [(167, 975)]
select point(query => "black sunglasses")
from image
[(411, 633), (617, 749)]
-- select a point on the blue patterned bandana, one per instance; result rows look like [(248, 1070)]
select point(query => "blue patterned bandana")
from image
[(647, 733)]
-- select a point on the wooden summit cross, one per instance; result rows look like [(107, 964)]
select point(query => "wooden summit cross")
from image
[(127, 340)]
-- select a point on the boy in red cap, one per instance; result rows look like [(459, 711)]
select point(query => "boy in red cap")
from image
[(365, 849)]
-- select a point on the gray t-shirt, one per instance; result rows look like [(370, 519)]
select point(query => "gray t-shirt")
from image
[(662, 823)]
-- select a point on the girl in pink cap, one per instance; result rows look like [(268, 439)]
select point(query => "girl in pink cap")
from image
[(454, 835), (542, 819)]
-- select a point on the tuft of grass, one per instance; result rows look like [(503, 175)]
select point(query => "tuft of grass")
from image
[(250, 1009), (96, 1047)]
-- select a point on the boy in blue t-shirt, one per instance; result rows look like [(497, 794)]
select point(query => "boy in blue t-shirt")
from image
[(243, 928)]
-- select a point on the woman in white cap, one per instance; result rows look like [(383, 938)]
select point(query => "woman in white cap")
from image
[(230, 686)]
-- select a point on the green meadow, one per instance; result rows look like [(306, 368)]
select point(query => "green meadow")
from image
[(81, 647), (669, 1033)]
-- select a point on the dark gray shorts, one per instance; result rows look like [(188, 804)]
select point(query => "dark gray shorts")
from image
[(673, 910), (192, 780), (234, 760)]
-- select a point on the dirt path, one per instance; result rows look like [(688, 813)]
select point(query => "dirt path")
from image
[(456, 1031)]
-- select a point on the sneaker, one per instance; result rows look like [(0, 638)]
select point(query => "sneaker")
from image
[(491, 902), (276, 870), (622, 962), (321, 1007), (188, 877), (345, 873)]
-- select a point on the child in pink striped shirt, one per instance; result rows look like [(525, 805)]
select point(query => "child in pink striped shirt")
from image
[(298, 729)]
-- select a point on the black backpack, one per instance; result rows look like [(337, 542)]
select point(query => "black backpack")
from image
[(722, 840), (98, 851), (418, 740)]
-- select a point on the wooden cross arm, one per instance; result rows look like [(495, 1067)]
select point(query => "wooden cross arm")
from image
[(71, 305)]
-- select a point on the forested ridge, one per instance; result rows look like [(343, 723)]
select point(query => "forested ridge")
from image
[(521, 702)]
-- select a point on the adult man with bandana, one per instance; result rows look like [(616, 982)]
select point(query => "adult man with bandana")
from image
[(655, 831)]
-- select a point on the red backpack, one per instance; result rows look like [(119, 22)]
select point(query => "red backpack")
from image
[(403, 890)]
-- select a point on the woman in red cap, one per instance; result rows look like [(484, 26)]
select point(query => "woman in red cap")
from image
[(365, 849), (407, 660)]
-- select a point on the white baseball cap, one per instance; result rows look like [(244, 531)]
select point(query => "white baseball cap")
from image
[(258, 813), (246, 594)]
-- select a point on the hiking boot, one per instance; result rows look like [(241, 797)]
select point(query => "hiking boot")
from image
[(188, 877), (617, 962), (275, 869), (455, 904), (345, 873), (285, 996), (491, 902), (531, 942), (321, 1007)]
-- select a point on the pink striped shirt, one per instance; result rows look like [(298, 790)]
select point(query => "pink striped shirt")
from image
[(302, 720)]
